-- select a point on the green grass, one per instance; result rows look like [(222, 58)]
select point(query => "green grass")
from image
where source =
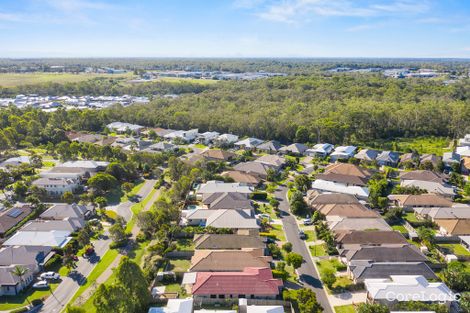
[(134, 191), (180, 265), (411, 217), (345, 309), (200, 146), (317, 250), (184, 245), (278, 232), (455, 248), (104, 263), (400, 228), (17, 79), (436, 145), (311, 235), (137, 208), (48, 163), (14, 302)]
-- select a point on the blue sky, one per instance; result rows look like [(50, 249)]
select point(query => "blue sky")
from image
[(235, 28)]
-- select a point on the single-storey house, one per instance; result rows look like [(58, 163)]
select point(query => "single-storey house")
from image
[(218, 155), (227, 242), (227, 260), (227, 200), (345, 173), (252, 283), (10, 218), (444, 190), (163, 146), (257, 169), (453, 221), (213, 186), (271, 146), (404, 288), (423, 175), (294, 149), (408, 202), (53, 238), (242, 177), (325, 186), (207, 137), (351, 240), (363, 224), (320, 150), (226, 139), (60, 211), (361, 270), (248, 143), (342, 153), (273, 160), (367, 155), (388, 158), (185, 135)]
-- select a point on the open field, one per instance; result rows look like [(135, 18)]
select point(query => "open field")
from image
[(17, 79), (436, 145)]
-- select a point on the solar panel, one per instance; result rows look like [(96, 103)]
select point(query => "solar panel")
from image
[(15, 213)]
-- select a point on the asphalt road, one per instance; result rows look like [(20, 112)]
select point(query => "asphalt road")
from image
[(307, 271), (69, 285)]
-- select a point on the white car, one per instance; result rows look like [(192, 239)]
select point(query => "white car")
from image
[(50, 275), (41, 285)]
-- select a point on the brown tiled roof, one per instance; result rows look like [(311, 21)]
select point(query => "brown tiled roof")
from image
[(328, 198), (346, 210), (241, 177), (227, 200), (218, 154), (422, 200), (423, 175), (227, 241), (347, 169), (370, 237), (405, 253), (227, 260), (345, 179)]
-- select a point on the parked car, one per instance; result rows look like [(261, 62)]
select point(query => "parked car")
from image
[(49, 276), (41, 285), (308, 221), (302, 235)]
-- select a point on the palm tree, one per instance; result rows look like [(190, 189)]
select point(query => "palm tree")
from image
[(20, 271)]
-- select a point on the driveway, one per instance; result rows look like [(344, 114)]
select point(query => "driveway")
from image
[(307, 271), (69, 285)]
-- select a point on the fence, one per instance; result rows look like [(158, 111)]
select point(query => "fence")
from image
[(199, 302)]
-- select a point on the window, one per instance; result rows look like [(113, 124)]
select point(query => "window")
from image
[(213, 296), (221, 296)]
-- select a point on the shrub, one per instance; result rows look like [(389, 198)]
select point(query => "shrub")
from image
[(53, 262), (36, 302), (280, 274), (259, 195), (287, 247)]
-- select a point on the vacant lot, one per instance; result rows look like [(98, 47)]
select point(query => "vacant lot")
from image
[(16, 79)]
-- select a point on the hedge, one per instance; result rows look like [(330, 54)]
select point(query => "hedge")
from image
[(53, 262), (259, 195)]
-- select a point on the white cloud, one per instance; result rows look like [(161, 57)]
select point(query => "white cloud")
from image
[(293, 11), (77, 5), (9, 17)]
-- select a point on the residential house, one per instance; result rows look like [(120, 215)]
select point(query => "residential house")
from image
[(444, 190), (175, 306), (56, 187), (342, 153), (68, 224), (138, 145), (388, 158), (15, 161), (324, 186), (338, 211), (362, 224), (384, 253), (226, 218), (465, 141), (409, 202), (207, 137), (219, 155), (453, 221), (367, 155), (346, 174), (88, 165), (450, 160), (51, 239), (242, 177), (10, 218), (226, 140), (271, 146), (227, 200), (315, 199), (62, 211), (78, 174), (463, 151), (161, 132), (257, 169), (120, 127), (273, 160), (294, 149), (213, 186), (248, 143), (252, 283), (227, 242), (404, 288), (12, 285), (409, 159), (163, 146), (227, 260), (361, 270), (465, 166), (351, 240), (243, 307), (430, 158), (184, 135), (320, 150)]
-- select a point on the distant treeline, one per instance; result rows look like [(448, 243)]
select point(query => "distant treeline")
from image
[(106, 87), (338, 109), (284, 65)]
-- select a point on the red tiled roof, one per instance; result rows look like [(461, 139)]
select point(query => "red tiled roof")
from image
[(252, 281)]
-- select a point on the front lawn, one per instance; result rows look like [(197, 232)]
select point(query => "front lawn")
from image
[(318, 250), (345, 309), (277, 231), (179, 265), (14, 302), (411, 217), (400, 228)]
